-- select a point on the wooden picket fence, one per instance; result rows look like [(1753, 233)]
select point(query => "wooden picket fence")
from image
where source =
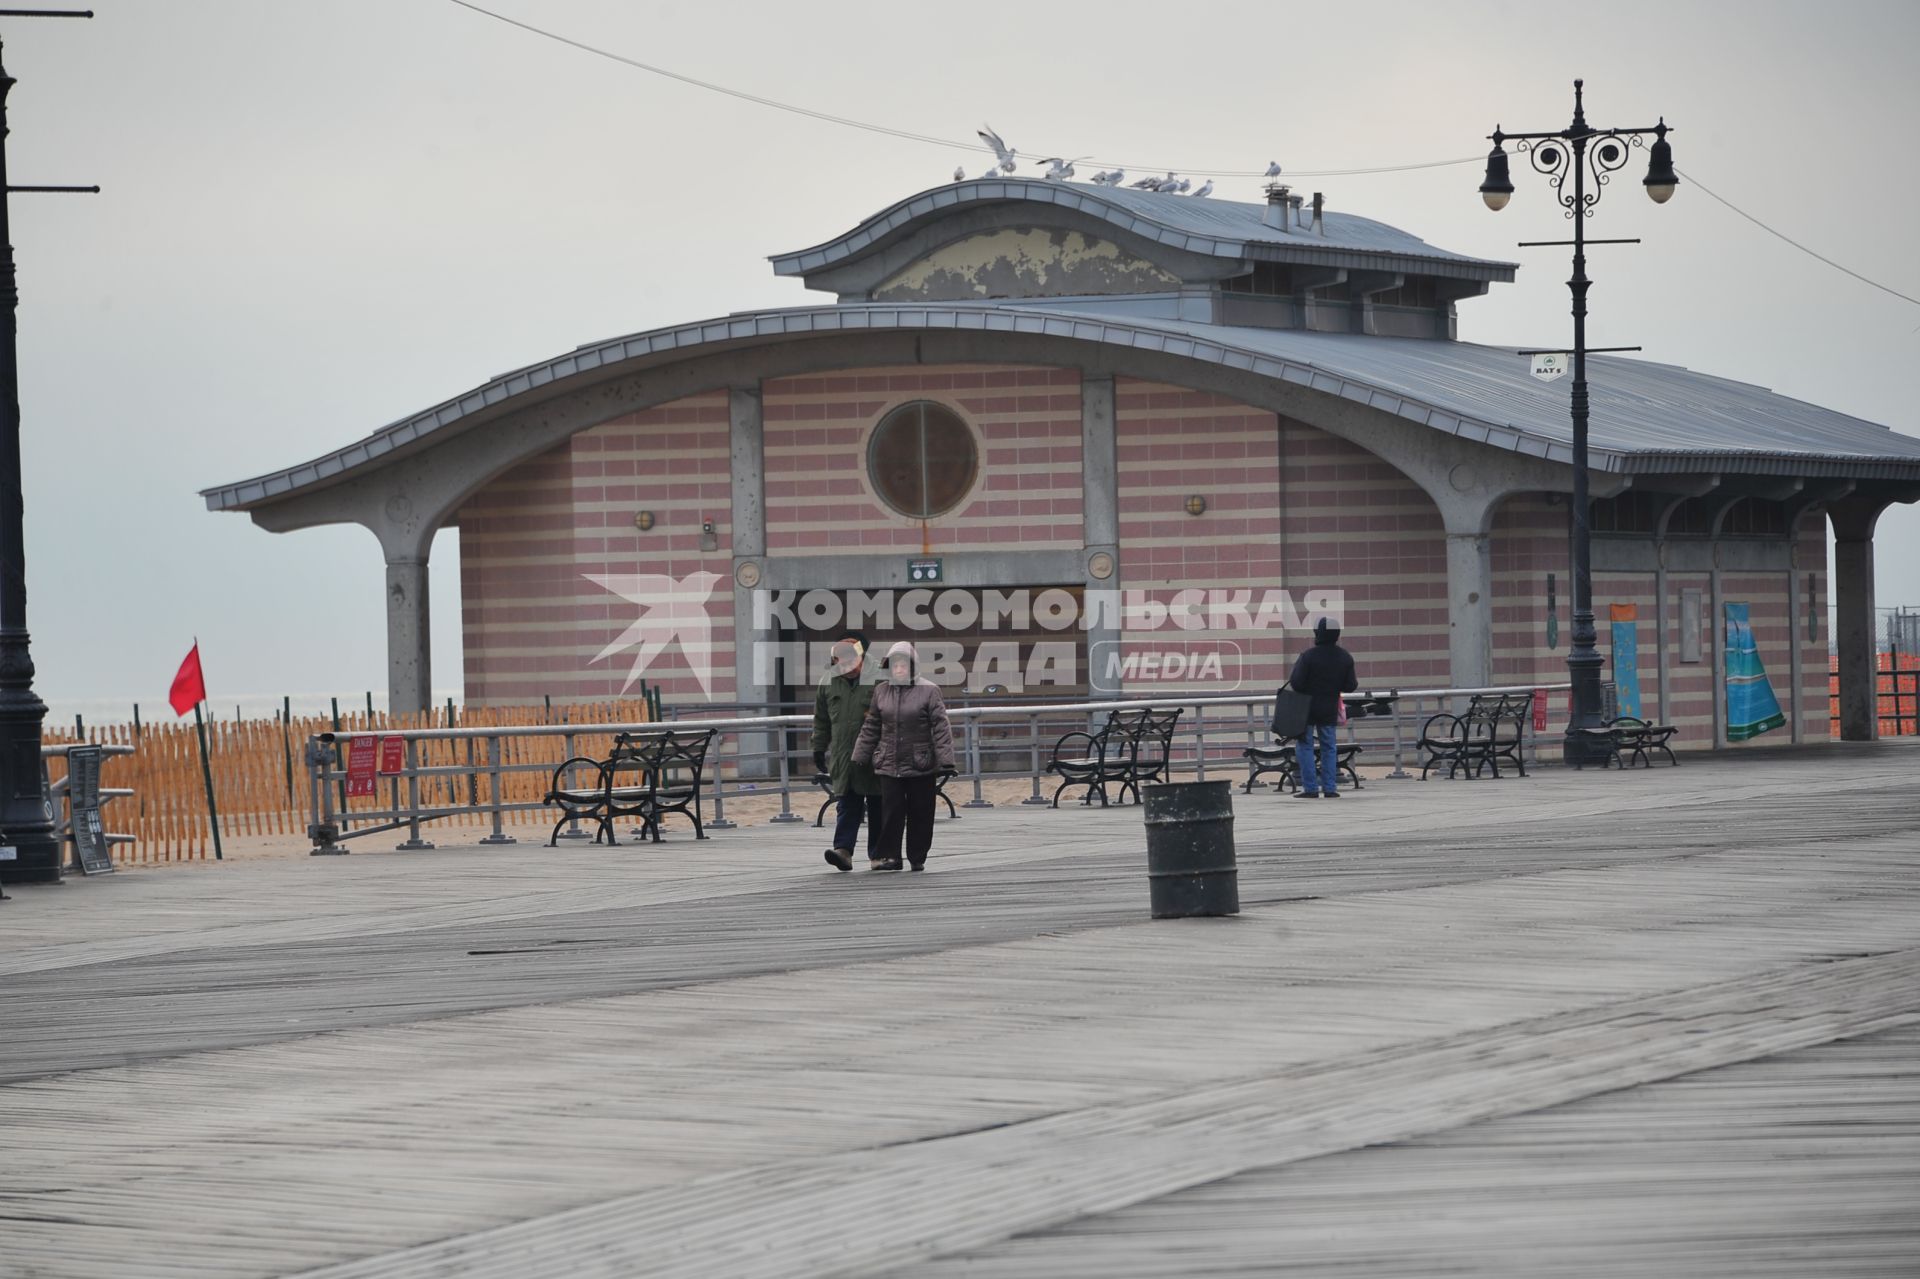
[(260, 773)]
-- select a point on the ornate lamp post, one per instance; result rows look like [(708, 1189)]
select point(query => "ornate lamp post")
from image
[(1582, 152), (26, 827)]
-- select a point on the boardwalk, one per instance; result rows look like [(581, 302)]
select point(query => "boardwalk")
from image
[(1580, 1024)]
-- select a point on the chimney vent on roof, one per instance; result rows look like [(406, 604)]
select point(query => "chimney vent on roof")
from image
[(1296, 202), (1319, 203), (1276, 211)]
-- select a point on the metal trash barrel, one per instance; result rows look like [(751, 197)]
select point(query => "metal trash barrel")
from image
[(1190, 866)]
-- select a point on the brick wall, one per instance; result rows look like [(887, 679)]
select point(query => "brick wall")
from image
[(818, 497), (533, 622)]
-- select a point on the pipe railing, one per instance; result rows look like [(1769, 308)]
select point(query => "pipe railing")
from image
[(1215, 734)]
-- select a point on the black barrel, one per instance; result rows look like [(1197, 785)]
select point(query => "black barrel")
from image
[(1190, 867)]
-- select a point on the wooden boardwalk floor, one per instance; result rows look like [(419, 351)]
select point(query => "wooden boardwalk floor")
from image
[(1582, 1024)]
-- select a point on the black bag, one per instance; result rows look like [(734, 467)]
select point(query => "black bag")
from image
[(1290, 711)]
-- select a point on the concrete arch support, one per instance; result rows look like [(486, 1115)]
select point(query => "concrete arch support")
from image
[(409, 637), (1469, 608)]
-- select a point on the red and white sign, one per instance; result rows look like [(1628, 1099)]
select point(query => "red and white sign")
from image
[(393, 755), (362, 755), (1539, 710)]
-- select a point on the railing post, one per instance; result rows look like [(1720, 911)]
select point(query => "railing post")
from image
[(573, 830), (720, 821), (1199, 743), (413, 840), (1253, 741), (786, 813), (979, 800), (498, 836), (1033, 741), (1399, 772), (324, 833)]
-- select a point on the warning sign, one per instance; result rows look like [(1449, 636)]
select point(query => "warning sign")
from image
[(393, 755), (362, 755)]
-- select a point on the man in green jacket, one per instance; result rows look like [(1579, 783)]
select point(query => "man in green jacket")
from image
[(839, 706)]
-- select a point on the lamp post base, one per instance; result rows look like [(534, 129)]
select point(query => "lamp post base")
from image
[(1583, 747)]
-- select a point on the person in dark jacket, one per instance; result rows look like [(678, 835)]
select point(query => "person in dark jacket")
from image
[(909, 742), (1323, 673), (839, 708)]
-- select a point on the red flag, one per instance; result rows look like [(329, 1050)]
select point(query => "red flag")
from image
[(189, 686)]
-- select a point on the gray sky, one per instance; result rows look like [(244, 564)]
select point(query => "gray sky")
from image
[(320, 217)]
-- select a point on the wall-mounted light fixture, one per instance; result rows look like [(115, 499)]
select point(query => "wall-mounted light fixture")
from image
[(1196, 505), (709, 540), (643, 520)]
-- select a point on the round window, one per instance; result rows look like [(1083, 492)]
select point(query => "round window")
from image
[(922, 459)]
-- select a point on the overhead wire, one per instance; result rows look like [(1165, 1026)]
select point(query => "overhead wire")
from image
[(909, 135)]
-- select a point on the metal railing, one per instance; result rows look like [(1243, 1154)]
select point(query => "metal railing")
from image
[(755, 755), (57, 794)]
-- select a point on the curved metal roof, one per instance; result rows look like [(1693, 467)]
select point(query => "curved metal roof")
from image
[(1646, 417), (1215, 228)]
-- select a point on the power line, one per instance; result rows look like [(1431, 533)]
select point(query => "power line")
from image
[(907, 134), (952, 143), (1795, 243)]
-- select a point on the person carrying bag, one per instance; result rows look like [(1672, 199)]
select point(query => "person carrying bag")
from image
[(1322, 674)]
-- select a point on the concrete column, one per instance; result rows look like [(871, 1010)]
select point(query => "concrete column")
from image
[(1100, 525), (1469, 609), (1099, 463), (1796, 710), (1854, 629), (747, 463), (748, 466), (1661, 675), (409, 638), (1717, 629)]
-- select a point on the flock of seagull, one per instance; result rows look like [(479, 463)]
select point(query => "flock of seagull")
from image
[(1059, 170)]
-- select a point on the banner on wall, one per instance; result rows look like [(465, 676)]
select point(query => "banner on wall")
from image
[(1752, 709), (1626, 658)]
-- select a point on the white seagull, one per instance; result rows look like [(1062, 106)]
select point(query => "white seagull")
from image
[(959, 174), (1273, 169), (1057, 169), (1206, 189), (1000, 148), (1115, 178)]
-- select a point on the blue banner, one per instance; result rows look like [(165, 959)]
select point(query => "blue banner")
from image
[(1626, 668), (1752, 709)]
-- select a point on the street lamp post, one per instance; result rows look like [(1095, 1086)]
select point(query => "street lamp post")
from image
[(1580, 150), (26, 826)]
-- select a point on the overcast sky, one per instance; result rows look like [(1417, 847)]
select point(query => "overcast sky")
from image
[(319, 217)]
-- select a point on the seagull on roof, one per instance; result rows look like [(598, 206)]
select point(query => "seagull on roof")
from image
[(1206, 189), (999, 147), (959, 174), (1057, 169), (1148, 184), (1273, 169), (1115, 178)]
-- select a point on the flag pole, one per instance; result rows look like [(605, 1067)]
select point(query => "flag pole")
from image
[(206, 772)]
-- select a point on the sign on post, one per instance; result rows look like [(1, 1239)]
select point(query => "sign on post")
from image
[(90, 848), (362, 755), (1549, 365)]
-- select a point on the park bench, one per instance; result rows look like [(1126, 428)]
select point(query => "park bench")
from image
[(1633, 740), (825, 782), (1129, 750), (1493, 729), (647, 775), (1284, 759)]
